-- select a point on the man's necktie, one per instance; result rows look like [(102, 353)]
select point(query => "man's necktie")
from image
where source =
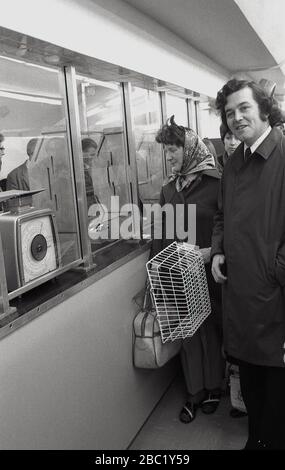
[(247, 154)]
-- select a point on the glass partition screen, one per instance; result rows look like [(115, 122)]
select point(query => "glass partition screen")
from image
[(177, 106), (104, 158), (149, 156), (36, 155), (210, 121)]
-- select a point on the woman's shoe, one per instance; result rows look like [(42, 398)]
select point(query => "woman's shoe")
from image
[(211, 403), (188, 413)]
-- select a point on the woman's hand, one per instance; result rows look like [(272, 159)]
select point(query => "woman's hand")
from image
[(206, 253), (217, 263)]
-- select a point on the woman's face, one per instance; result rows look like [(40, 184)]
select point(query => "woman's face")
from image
[(88, 157), (230, 143), (174, 155)]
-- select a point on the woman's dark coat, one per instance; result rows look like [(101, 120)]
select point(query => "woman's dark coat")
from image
[(250, 231), (203, 192)]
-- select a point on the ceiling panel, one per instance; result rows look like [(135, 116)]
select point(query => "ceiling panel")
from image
[(216, 28)]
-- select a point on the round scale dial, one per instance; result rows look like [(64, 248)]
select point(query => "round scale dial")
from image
[(38, 247)]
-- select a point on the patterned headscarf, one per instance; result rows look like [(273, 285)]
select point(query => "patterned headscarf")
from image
[(196, 159)]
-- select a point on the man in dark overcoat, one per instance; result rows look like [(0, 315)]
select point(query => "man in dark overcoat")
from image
[(248, 257)]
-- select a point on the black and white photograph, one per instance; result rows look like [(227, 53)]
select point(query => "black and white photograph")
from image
[(142, 229)]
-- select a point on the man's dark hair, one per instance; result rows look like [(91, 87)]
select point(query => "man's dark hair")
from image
[(31, 145), (171, 134), (87, 143), (1, 138), (268, 105)]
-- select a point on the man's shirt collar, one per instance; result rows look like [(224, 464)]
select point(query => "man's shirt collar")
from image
[(260, 139)]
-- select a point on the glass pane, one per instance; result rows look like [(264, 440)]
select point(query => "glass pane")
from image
[(177, 106), (147, 120), (104, 158), (36, 156), (210, 121)]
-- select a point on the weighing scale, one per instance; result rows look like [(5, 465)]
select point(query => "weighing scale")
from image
[(30, 239)]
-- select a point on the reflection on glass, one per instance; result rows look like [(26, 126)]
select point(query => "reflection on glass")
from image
[(147, 120), (104, 157), (89, 152), (209, 121), (33, 122), (177, 106)]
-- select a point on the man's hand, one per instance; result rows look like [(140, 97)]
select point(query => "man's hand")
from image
[(217, 263)]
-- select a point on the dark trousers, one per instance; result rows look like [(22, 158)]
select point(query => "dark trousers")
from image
[(263, 391)]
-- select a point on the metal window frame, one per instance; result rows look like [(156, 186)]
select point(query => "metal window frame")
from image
[(162, 95), (76, 152), (189, 113), (198, 116), (192, 114), (130, 146), (5, 308)]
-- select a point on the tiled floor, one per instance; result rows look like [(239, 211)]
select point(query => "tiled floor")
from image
[(164, 431)]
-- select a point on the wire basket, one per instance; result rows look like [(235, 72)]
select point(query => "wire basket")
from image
[(180, 291)]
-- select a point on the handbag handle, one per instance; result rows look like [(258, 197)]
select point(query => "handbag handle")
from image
[(148, 300)]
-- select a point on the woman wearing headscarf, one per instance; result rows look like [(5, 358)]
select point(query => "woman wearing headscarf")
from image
[(195, 180)]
